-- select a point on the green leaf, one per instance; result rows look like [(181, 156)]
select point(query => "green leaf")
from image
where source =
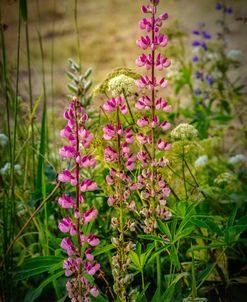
[(164, 229), (103, 250), (72, 88), (135, 259), (87, 73), (184, 233), (38, 291), (151, 237), (38, 265)]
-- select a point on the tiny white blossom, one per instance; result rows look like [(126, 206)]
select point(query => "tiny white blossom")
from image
[(184, 132), (201, 161), (122, 83), (237, 158)]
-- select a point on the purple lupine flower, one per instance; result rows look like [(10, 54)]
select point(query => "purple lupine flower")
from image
[(206, 35), (195, 59), (209, 79), (197, 91), (196, 32), (196, 43), (218, 6)]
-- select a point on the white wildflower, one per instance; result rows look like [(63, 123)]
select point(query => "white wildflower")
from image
[(122, 83), (3, 139), (184, 132), (201, 161), (7, 167), (235, 54), (236, 159)]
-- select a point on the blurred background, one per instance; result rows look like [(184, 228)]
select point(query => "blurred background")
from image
[(108, 30)]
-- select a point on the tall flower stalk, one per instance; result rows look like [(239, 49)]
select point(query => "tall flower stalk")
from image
[(120, 159), (155, 189), (80, 242)]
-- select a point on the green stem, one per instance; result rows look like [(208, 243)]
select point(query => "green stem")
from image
[(143, 282), (185, 188), (30, 103), (192, 175), (77, 35)]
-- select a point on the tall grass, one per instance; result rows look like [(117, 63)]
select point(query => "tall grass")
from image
[(43, 148)]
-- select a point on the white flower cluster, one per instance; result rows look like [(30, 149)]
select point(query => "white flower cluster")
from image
[(201, 161), (122, 83), (184, 132), (236, 159), (225, 177), (7, 167)]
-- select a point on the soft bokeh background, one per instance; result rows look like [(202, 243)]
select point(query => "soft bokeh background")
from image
[(108, 31)]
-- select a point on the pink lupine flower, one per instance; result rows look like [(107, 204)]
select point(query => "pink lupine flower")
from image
[(143, 42), (165, 125), (66, 133), (89, 215), (66, 177), (142, 138), (163, 83), (111, 200), (90, 268), (143, 158), (109, 180), (166, 191), (87, 161), (88, 185), (129, 136), (126, 149), (68, 265), (65, 224), (161, 40), (130, 164), (93, 240), (66, 202), (67, 245), (88, 255), (136, 186), (143, 121), (109, 132), (67, 152), (144, 60), (110, 154), (143, 82), (155, 122), (94, 291), (124, 109), (110, 105), (163, 145), (144, 103), (162, 62), (162, 202), (86, 137)]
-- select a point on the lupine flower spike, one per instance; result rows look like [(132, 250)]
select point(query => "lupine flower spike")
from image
[(153, 187), (76, 244)]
